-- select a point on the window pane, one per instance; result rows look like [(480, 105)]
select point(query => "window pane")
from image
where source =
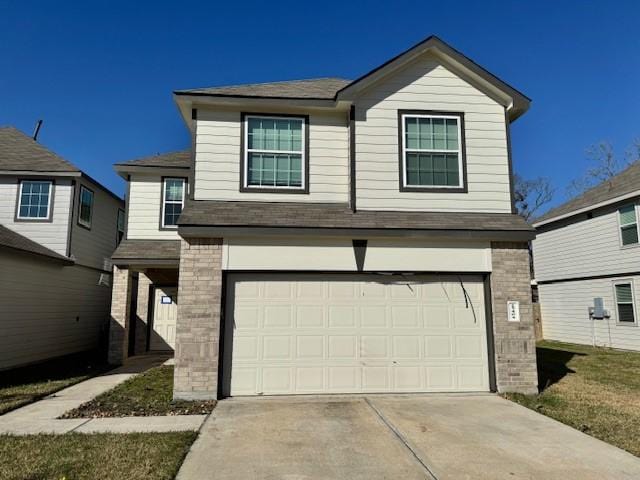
[(411, 131), (623, 293), (171, 213), (34, 199), (173, 189), (432, 169), (86, 204), (121, 220), (431, 133), (625, 313), (439, 134), (627, 214), (629, 234), (270, 170), (452, 134)]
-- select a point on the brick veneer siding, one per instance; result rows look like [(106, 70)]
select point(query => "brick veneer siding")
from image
[(515, 347), (119, 323), (142, 308), (198, 327)]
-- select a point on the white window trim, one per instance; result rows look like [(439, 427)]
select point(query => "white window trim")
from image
[(635, 209), (625, 281), (35, 219), (164, 200), (93, 197), (421, 150), (247, 150)]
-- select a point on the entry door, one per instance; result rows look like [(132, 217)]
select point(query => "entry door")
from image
[(165, 314), (320, 333)]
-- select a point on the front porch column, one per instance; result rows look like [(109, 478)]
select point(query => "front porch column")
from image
[(198, 327), (515, 342), (120, 312), (142, 314)]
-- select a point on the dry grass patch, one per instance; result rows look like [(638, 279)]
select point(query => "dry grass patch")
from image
[(150, 393), (595, 390), (77, 456)]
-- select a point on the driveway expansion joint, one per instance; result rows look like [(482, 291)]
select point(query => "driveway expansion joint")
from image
[(402, 439)]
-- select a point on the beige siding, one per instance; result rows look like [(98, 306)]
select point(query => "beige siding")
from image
[(145, 197), (427, 85), (48, 310), (94, 247), (54, 234), (585, 248), (218, 159), (565, 317)]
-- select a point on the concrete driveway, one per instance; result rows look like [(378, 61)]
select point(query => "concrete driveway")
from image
[(392, 437)]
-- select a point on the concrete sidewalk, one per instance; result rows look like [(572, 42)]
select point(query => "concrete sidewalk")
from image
[(42, 416)]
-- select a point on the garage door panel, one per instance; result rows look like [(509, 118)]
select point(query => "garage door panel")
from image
[(311, 333)]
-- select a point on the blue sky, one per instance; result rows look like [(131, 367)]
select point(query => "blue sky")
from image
[(101, 74)]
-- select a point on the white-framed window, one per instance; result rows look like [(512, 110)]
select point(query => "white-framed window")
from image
[(628, 219), (85, 207), (274, 154), (432, 151), (120, 226), (625, 302), (34, 200), (173, 192)]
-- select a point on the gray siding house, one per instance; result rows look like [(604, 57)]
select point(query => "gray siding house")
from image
[(334, 236), (58, 229), (586, 251)]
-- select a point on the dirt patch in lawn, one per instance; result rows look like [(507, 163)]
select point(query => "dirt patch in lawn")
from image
[(595, 390), (77, 456), (150, 393)]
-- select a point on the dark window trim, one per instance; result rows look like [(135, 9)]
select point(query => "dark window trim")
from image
[(93, 198), (463, 153), (185, 193), (247, 189), (625, 281), (52, 196), (124, 227)]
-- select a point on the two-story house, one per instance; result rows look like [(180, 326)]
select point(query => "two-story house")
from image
[(58, 229), (587, 265), (334, 236)]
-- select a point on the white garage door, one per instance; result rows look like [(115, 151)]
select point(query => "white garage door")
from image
[(317, 333)]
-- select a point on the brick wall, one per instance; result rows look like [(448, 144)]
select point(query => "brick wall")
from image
[(515, 348), (142, 308), (198, 328), (119, 324)]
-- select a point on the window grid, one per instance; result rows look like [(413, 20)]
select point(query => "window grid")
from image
[(35, 199), (625, 303), (173, 201), (628, 225), (274, 152), (432, 154)]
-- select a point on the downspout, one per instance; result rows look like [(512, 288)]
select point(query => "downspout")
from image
[(352, 158)]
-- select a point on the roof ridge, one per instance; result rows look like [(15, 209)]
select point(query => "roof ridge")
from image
[(274, 82)]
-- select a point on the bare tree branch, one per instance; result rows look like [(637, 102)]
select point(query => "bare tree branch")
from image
[(531, 195)]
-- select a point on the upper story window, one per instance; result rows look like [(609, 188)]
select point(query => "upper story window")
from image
[(173, 191), (274, 156), (432, 153), (35, 199), (120, 226), (628, 225), (85, 207), (625, 302)]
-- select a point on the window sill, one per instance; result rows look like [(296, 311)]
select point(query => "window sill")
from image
[(462, 189), (303, 190)]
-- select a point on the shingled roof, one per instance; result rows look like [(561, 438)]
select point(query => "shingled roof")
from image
[(131, 251), (626, 182), (15, 241), (19, 152), (179, 159), (313, 88), (339, 216)]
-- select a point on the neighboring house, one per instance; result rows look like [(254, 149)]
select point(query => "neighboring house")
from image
[(586, 256), (334, 236), (58, 229)]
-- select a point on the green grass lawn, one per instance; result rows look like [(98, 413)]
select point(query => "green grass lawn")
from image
[(25, 385), (595, 390), (104, 456), (147, 394)]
